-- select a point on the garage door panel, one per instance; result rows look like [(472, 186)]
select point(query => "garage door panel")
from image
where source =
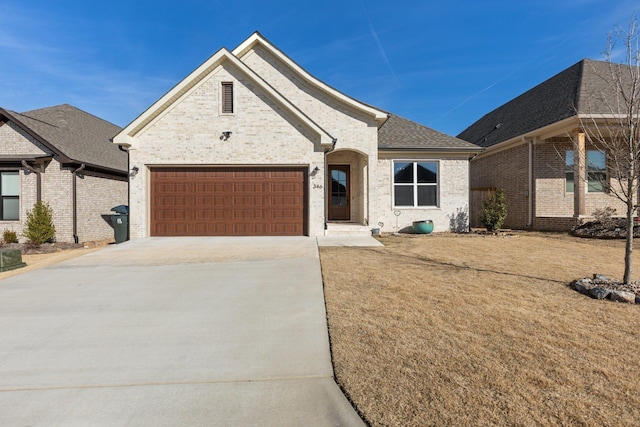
[(228, 201)]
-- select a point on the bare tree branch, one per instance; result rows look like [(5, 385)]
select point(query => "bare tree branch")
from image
[(611, 123)]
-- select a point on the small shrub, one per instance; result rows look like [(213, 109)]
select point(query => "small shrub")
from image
[(39, 227), (10, 236), (494, 210), (604, 214)]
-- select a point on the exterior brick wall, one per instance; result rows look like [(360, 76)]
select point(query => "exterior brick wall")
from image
[(16, 141), (353, 129), (553, 199), (56, 189), (97, 194), (263, 133), (554, 223), (453, 193), (553, 205), (507, 170)]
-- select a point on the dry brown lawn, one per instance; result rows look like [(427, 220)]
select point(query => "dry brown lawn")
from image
[(470, 330)]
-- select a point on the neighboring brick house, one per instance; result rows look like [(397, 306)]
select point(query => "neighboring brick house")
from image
[(530, 146), (252, 144), (63, 156)]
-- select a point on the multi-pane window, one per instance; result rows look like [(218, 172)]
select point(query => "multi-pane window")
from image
[(227, 98), (415, 184), (596, 171), (10, 195)]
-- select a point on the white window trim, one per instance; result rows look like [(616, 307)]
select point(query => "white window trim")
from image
[(19, 196), (415, 184)]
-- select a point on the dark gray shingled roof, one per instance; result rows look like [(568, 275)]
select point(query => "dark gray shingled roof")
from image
[(75, 134), (398, 133), (579, 88)]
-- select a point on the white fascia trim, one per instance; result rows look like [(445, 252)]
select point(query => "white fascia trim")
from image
[(127, 135), (256, 38), (435, 152), (542, 133)]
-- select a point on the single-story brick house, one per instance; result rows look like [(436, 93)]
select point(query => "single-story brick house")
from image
[(252, 144), (63, 156), (532, 150)]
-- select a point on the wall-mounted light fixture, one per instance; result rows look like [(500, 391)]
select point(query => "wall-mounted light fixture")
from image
[(314, 172), (225, 135), (134, 171)]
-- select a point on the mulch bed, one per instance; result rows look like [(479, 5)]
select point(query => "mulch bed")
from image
[(612, 228)]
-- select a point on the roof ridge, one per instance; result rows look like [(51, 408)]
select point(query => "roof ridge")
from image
[(34, 118), (577, 99)]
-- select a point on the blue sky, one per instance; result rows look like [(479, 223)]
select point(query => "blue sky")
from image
[(442, 64)]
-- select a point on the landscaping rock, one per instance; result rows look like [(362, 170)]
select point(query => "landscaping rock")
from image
[(612, 228), (599, 293), (582, 285), (622, 296), (601, 287)]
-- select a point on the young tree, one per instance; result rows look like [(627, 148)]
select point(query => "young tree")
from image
[(39, 226), (613, 126), (494, 210)]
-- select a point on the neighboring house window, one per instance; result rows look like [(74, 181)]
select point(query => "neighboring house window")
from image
[(227, 98), (596, 170), (10, 194), (415, 184)]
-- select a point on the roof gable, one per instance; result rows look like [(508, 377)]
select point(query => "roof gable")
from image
[(549, 102), (583, 88), (125, 137), (75, 136), (598, 94), (258, 39)]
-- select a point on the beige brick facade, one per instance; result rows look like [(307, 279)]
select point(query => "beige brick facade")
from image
[(506, 170), (453, 193), (553, 206), (282, 117), (95, 194), (189, 134)]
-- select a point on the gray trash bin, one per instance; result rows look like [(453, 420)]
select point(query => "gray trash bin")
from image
[(120, 222)]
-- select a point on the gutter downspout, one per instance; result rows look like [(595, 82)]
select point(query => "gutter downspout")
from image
[(75, 202), (128, 188), (38, 180), (530, 201), (469, 192)]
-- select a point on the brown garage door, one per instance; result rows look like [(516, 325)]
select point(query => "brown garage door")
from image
[(228, 202)]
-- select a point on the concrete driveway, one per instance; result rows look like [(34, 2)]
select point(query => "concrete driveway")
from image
[(171, 331)]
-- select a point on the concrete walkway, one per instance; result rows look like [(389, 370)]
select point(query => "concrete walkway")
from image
[(171, 331)]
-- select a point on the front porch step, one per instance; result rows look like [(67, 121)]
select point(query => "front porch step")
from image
[(347, 229)]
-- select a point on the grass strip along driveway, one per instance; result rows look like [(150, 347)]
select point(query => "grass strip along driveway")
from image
[(482, 330)]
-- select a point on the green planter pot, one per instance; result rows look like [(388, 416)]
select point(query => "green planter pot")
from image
[(423, 227)]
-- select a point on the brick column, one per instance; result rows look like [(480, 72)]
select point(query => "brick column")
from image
[(579, 174)]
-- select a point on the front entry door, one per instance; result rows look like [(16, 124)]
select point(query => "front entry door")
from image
[(339, 206)]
